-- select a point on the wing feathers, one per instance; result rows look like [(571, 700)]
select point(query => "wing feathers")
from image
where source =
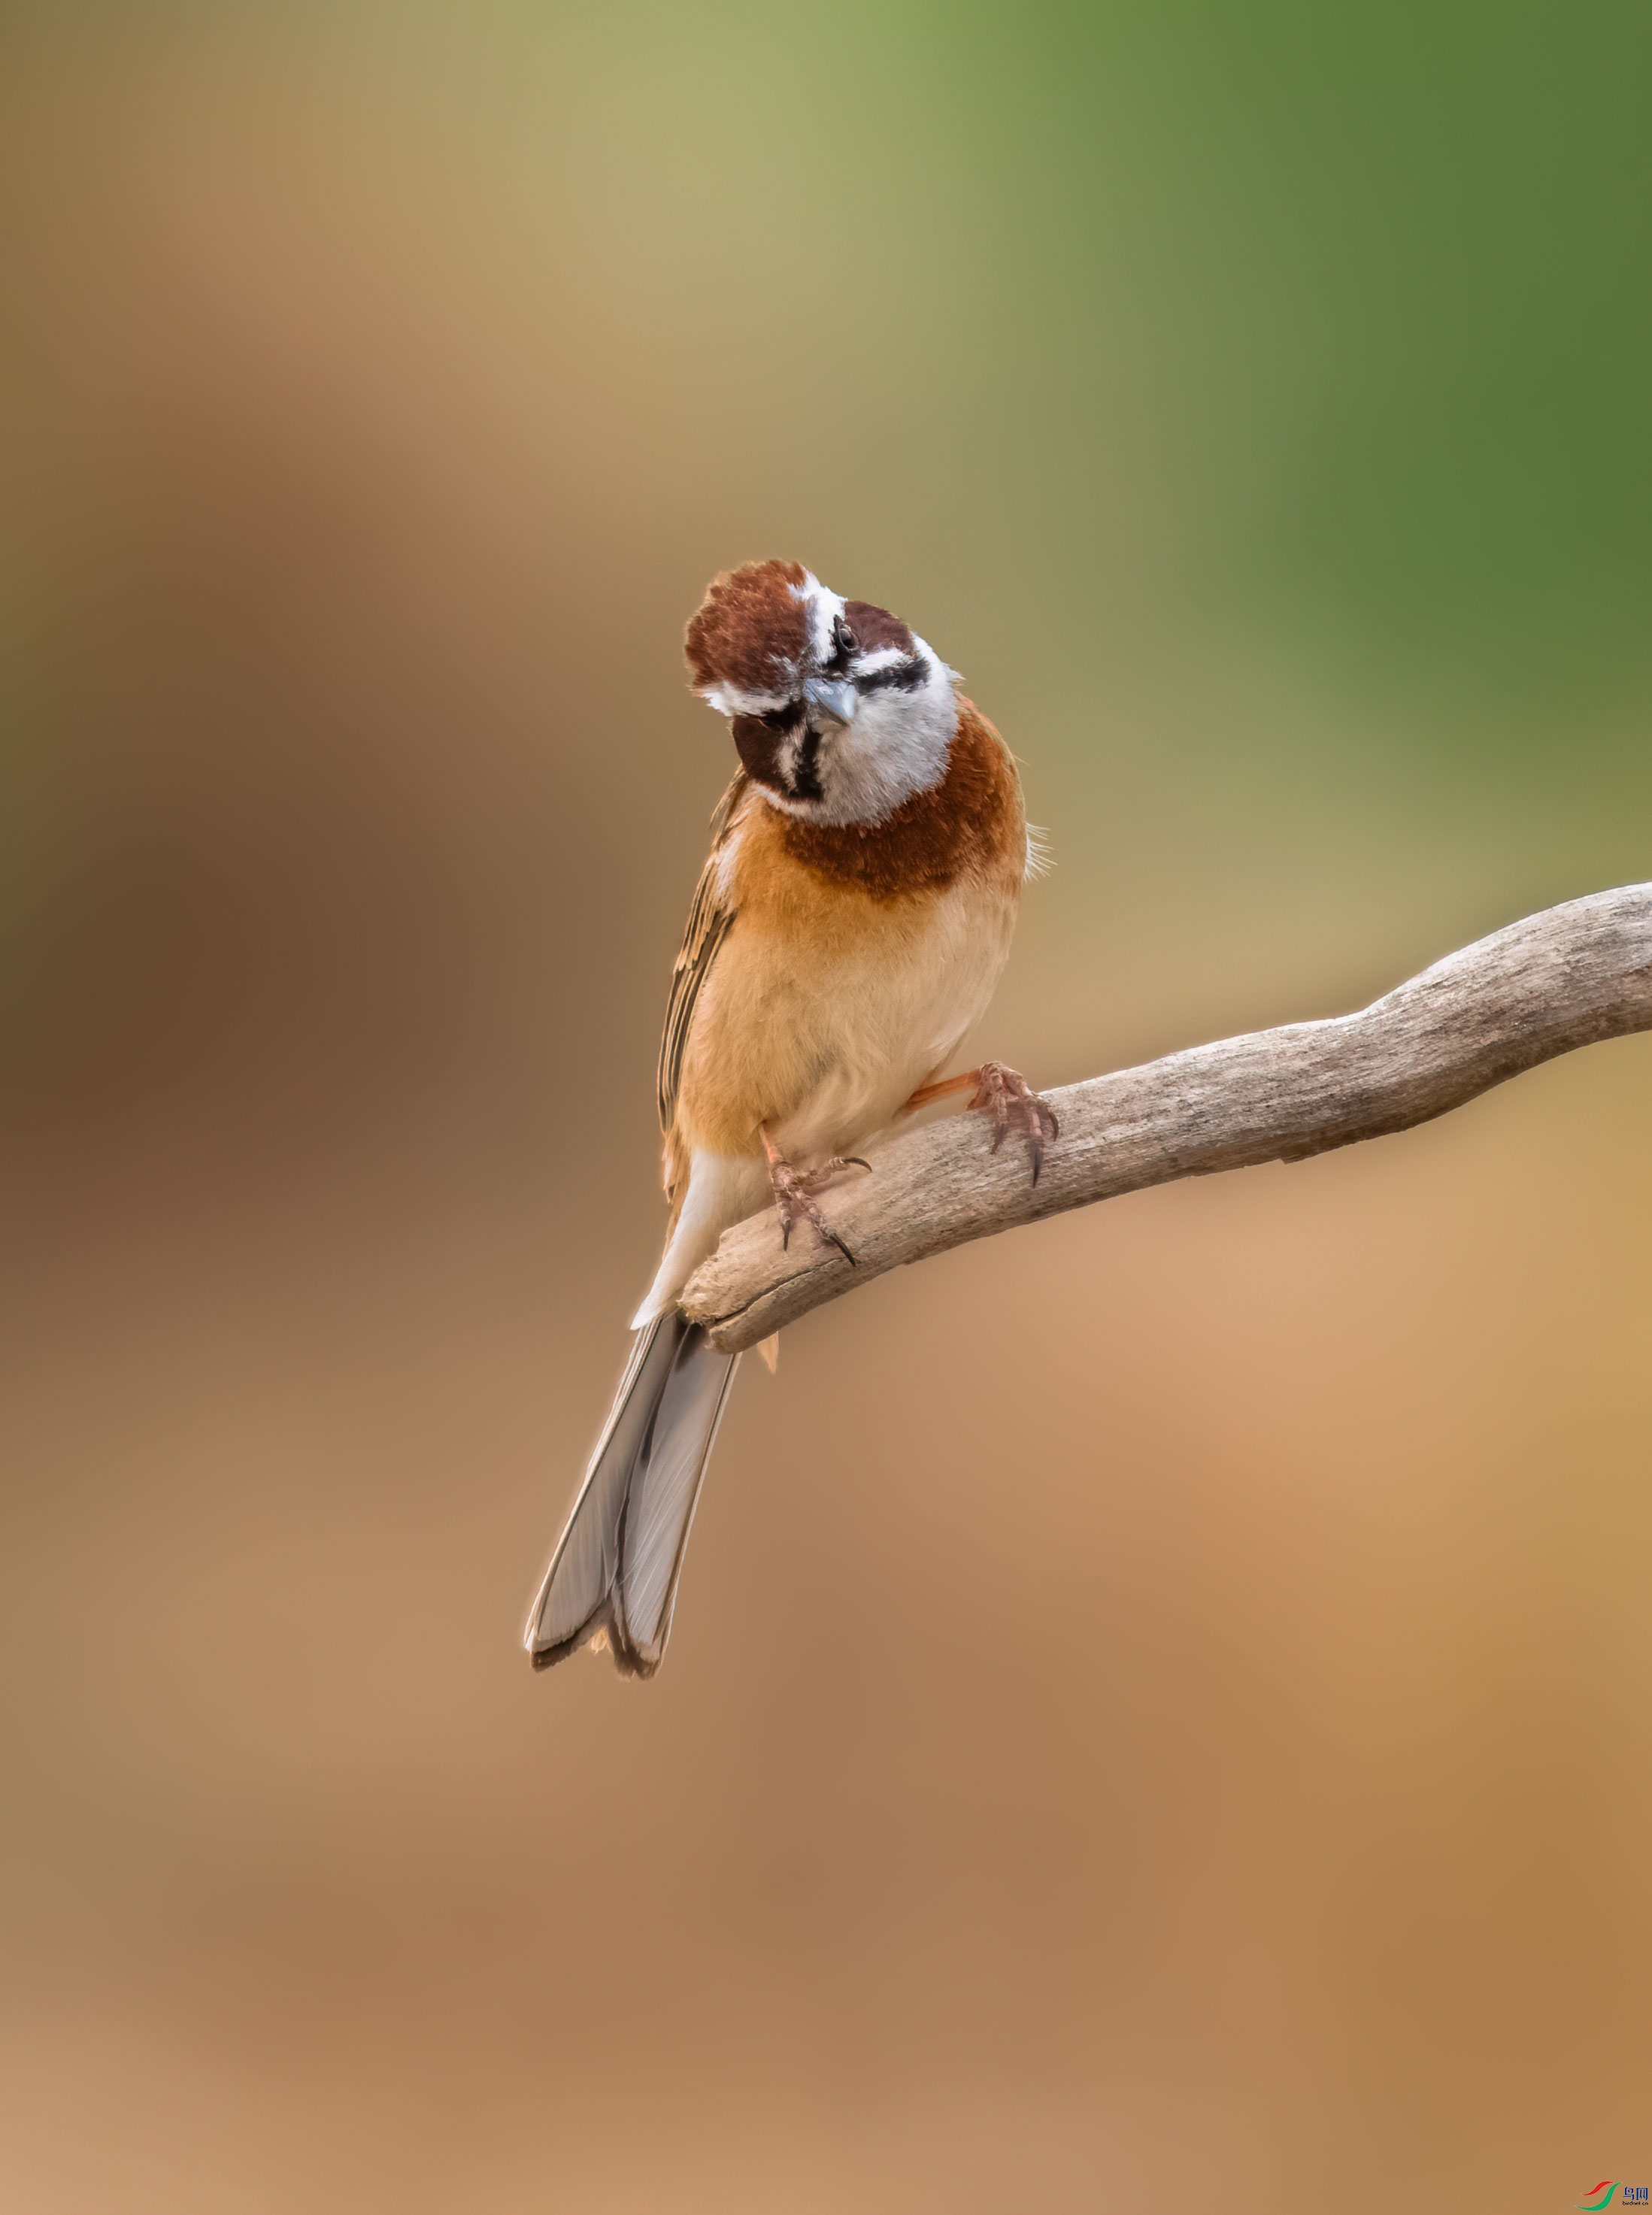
[(708, 922)]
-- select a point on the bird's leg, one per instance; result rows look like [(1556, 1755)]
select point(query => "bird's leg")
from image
[(1010, 1099), (943, 1091), (794, 1190)]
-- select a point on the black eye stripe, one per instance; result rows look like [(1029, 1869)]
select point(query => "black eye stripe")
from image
[(899, 676)]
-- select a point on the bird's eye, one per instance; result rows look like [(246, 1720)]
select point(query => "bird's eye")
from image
[(844, 641)]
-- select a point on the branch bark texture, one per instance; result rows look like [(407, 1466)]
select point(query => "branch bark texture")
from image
[(1563, 979)]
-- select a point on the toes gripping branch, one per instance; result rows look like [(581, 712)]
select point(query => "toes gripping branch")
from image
[(793, 1194), (1005, 1095)]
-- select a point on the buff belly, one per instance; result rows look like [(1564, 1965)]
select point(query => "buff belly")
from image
[(825, 1012), (823, 1015)]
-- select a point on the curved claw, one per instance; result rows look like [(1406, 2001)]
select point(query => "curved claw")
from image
[(1014, 1104), (793, 1198)]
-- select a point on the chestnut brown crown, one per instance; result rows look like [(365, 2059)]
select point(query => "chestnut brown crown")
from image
[(752, 630)]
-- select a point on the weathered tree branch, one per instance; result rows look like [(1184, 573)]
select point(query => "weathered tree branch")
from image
[(1560, 979)]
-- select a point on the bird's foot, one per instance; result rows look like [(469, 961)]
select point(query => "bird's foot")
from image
[(1005, 1095), (793, 1194)]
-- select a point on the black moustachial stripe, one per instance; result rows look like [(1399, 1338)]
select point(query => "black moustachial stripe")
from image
[(805, 771)]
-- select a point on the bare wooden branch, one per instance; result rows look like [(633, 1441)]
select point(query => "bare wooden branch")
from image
[(1563, 979)]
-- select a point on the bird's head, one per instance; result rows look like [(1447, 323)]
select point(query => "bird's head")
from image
[(839, 713)]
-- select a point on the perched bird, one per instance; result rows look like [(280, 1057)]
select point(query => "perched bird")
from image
[(849, 927)]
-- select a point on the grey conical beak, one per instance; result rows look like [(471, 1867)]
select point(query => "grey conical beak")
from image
[(831, 697)]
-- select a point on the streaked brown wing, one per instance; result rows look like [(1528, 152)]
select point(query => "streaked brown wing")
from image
[(708, 923)]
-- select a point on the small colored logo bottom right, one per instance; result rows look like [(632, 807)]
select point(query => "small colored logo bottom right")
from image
[(1633, 2195)]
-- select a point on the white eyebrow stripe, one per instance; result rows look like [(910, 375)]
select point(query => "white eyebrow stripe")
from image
[(824, 608), (735, 700)]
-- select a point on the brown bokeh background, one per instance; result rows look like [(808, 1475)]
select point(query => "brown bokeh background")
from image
[(1159, 1704)]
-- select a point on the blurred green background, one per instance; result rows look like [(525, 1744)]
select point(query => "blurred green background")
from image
[(1159, 1703)]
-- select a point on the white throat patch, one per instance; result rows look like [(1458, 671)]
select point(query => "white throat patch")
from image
[(895, 743)]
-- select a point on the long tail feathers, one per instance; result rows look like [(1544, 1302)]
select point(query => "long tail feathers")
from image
[(616, 1563)]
